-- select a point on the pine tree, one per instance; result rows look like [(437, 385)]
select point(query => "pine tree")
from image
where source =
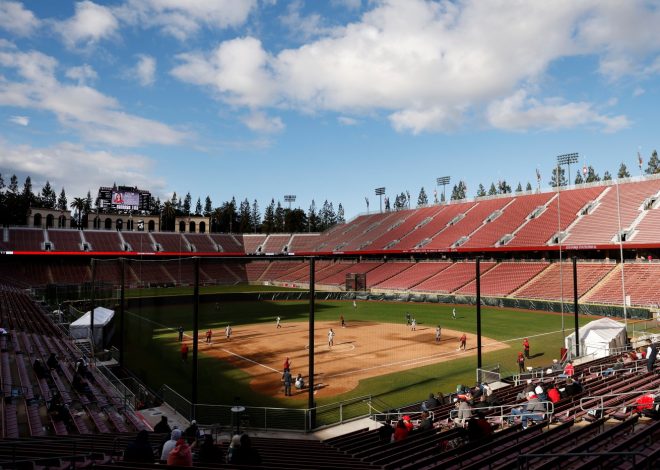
[(340, 214), (187, 203), (255, 216), (62, 203), (48, 196), (312, 218), (481, 191), (198, 207), (422, 199), (13, 184), (2, 183), (654, 164), (279, 218), (558, 181), (623, 171), (578, 178), (503, 187), (400, 202), (529, 186), (208, 206), (519, 188), (493, 190), (88, 202), (592, 176), (607, 176), (244, 222), (268, 225)]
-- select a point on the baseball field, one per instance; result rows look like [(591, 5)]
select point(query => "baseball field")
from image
[(376, 353)]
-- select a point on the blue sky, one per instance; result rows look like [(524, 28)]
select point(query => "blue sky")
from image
[(322, 99)]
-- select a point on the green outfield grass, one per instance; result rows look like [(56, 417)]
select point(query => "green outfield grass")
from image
[(152, 355)]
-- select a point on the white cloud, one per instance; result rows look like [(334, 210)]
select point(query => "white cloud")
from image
[(82, 75), (20, 120), (95, 116), (16, 19), (429, 66), (90, 24), (145, 70), (302, 26), (260, 122), (638, 91), (519, 112), (184, 19), (347, 121), (77, 168), (350, 4)]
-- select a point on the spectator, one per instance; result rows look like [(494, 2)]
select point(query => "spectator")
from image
[(385, 432), (208, 451), (170, 444), (247, 455), (192, 432), (430, 403), (80, 385), (553, 394), (569, 370), (162, 427), (181, 455), (653, 354), (234, 449), (139, 450), (408, 423), (425, 422), (53, 363), (479, 429), (540, 392), (82, 369), (645, 402), (556, 366), (533, 410), (464, 413), (401, 431), (40, 369)]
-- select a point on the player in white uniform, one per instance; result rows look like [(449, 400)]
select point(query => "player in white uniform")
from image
[(228, 332), (277, 320), (437, 334), (453, 314), (331, 338), (413, 325)]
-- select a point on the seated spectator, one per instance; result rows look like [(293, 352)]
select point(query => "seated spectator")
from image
[(192, 432), (408, 422), (385, 433), (80, 385), (425, 422), (556, 366), (234, 449), (81, 368), (140, 449), (482, 402), (645, 402), (162, 427), (464, 413), (208, 451), (401, 431), (618, 365), (569, 370), (170, 444), (300, 382), (40, 369), (430, 403), (180, 455), (479, 429), (540, 392), (553, 394), (247, 455), (534, 410), (53, 363)]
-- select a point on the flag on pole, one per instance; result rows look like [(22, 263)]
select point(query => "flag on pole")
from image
[(639, 158), (538, 175)]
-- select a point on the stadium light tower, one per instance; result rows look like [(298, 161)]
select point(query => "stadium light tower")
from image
[(566, 159), (290, 198), (380, 192), (443, 181)]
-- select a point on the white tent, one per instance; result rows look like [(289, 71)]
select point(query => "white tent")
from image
[(103, 326), (599, 338)]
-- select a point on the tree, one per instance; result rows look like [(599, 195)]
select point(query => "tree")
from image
[(78, 205), (340, 214), (578, 178), (2, 183), (558, 177), (529, 186), (312, 218), (327, 216), (458, 191), (607, 176), (62, 203), (519, 188), (400, 202), (208, 206), (422, 199), (503, 187), (623, 171), (244, 223), (13, 184), (198, 207), (27, 195), (492, 191), (268, 225), (48, 197), (279, 218), (255, 216), (654, 164), (187, 204), (481, 191), (295, 220), (592, 176)]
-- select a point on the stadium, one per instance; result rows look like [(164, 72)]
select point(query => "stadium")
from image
[(344, 234), (398, 289)]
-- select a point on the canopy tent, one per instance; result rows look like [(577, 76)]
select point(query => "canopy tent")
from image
[(103, 326), (599, 338)]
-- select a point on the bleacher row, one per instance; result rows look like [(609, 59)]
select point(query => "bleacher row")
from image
[(31, 336), (598, 281)]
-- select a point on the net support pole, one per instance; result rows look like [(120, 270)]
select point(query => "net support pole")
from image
[(91, 308), (122, 298), (575, 307), (310, 401), (195, 337), (478, 279)]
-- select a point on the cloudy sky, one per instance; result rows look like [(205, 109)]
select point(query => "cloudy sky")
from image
[(322, 99)]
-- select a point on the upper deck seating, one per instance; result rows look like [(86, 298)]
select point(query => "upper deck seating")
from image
[(275, 243), (413, 218), (171, 242), (341, 234), (547, 285), (339, 279), (101, 240), (452, 278), (385, 271), (65, 240), (414, 275), (303, 242), (26, 239), (363, 241), (504, 278), (251, 243), (227, 242), (201, 242), (139, 241), (421, 235)]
